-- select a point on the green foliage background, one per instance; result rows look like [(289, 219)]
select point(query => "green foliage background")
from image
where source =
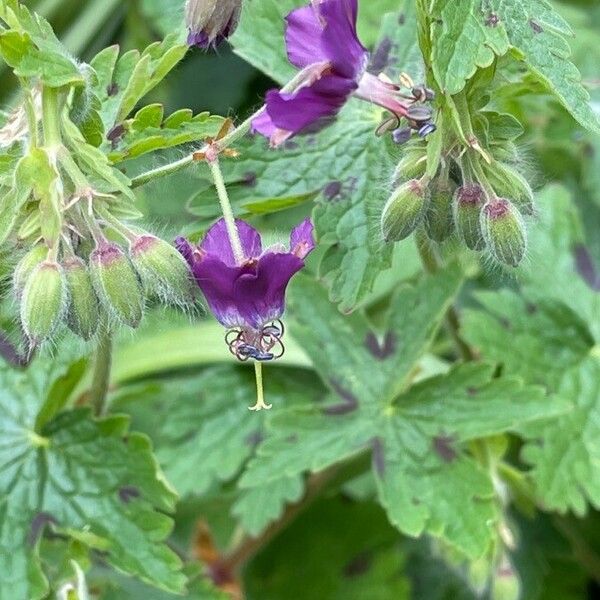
[(388, 468)]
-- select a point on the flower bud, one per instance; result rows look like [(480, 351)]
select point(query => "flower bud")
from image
[(468, 202), (83, 315), (26, 266), (210, 22), (509, 183), (44, 301), (411, 166), (162, 269), (404, 210), (439, 220), (117, 284), (505, 584), (504, 231)]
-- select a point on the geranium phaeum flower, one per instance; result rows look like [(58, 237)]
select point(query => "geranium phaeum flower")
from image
[(321, 40), (211, 21), (247, 296)]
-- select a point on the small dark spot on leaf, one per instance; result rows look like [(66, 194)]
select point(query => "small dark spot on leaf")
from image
[(443, 446), (332, 190), (359, 565), (349, 404), (504, 322), (115, 134), (38, 524), (416, 502), (382, 350), (586, 267), (290, 145), (381, 57), (291, 439), (255, 438), (378, 456), (472, 391), (531, 308), (401, 19), (249, 179), (537, 28), (112, 89), (492, 20), (10, 354), (127, 493)]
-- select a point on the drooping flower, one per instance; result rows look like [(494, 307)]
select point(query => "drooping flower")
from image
[(247, 297), (322, 41), (210, 22)]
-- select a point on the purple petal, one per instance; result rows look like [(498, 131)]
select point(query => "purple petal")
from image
[(185, 249), (303, 37), (320, 101), (302, 241), (216, 242), (250, 295), (264, 125), (340, 41)]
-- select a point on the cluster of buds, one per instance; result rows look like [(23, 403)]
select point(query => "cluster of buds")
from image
[(480, 200), (107, 285)]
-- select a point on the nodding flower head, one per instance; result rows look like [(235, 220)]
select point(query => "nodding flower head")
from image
[(247, 297), (210, 22), (322, 41)]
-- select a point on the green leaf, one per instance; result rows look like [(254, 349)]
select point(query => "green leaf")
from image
[(469, 35), (463, 41), (259, 505), (123, 81), (32, 49), (337, 550), (560, 266), (147, 132), (425, 476), (90, 480), (538, 341), (564, 453)]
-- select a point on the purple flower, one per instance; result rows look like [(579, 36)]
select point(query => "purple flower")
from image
[(211, 21), (248, 295), (322, 41)]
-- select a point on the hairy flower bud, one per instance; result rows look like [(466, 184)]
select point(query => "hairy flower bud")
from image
[(26, 266), (468, 202), (117, 284), (509, 183), (411, 166), (162, 269), (404, 210), (210, 22), (44, 301), (504, 231), (83, 315), (439, 220)]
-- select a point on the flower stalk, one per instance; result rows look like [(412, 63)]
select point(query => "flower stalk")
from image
[(101, 376)]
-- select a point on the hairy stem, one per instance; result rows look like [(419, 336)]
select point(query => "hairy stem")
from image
[(231, 138), (101, 376), (51, 117), (432, 265), (232, 231)]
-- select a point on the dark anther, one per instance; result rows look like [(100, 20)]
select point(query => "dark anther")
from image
[(427, 129), (401, 135), (420, 113), (423, 93)]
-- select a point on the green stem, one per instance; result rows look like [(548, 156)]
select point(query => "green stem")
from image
[(232, 231), (32, 123), (231, 138), (432, 265), (477, 172), (101, 376), (51, 117)]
